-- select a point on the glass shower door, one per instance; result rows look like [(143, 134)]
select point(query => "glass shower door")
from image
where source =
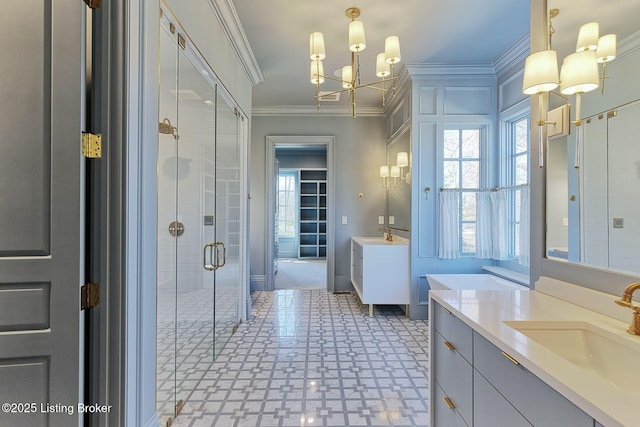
[(227, 200), (167, 242)]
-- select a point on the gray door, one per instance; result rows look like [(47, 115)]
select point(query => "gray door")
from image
[(41, 256)]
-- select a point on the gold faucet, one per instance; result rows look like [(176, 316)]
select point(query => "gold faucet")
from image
[(626, 301), (387, 231)]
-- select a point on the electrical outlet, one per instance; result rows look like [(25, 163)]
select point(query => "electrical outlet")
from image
[(344, 220), (392, 219), (381, 220)]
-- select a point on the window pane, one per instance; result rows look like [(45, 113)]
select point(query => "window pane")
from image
[(516, 206), (451, 174), (522, 135), (451, 144), (469, 237), (468, 206), (517, 240), (471, 143), (471, 174), (522, 167)]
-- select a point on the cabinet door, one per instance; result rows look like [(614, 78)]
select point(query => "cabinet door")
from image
[(454, 374), (445, 416), (524, 390), (491, 409), (454, 330)]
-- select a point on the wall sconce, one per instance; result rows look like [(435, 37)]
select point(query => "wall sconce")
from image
[(403, 161), (579, 73), (384, 174)]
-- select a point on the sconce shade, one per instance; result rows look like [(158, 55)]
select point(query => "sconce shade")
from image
[(392, 50), (382, 68), (540, 72), (317, 72), (384, 171), (402, 159), (357, 42), (606, 48), (347, 77), (316, 46), (579, 73), (588, 37), (395, 171)]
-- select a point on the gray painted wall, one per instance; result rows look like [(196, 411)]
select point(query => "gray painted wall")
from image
[(359, 152)]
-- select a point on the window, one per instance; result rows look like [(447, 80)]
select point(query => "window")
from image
[(287, 196), (517, 173), (462, 170)]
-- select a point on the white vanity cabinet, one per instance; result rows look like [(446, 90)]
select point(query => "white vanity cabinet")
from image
[(380, 270), (475, 383)]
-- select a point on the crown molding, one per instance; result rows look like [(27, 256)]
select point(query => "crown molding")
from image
[(628, 45), (306, 110), (423, 70), (226, 14), (514, 57)]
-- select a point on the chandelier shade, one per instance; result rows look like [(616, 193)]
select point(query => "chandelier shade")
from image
[(606, 48), (357, 41), (392, 50), (317, 72), (316, 46), (350, 76)]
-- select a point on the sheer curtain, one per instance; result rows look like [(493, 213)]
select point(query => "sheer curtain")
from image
[(499, 225), (523, 242), (449, 217), (483, 225)]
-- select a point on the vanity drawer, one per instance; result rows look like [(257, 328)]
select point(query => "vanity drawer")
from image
[(454, 374), (540, 404), (491, 409), (454, 331), (443, 415)]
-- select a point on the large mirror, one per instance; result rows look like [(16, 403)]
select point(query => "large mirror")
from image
[(593, 182), (399, 192)]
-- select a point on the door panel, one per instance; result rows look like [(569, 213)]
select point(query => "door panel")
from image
[(41, 253), (227, 278)]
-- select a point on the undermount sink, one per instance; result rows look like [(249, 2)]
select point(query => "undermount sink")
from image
[(612, 357)]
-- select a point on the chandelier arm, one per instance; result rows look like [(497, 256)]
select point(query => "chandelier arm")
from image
[(332, 93)]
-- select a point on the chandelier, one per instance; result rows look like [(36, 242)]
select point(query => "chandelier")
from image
[(350, 77)]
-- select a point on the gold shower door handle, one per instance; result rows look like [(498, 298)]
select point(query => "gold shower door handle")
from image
[(224, 254), (210, 249)]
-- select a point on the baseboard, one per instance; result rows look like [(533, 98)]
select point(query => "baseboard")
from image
[(257, 282)]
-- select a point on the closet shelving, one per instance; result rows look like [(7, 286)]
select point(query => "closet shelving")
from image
[(313, 213)]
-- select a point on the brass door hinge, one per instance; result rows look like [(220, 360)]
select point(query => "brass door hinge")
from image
[(91, 145), (89, 295), (94, 4)]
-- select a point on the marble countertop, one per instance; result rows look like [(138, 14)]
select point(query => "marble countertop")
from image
[(486, 310)]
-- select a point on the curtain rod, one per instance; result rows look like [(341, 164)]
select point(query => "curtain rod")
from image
[(508, 187)]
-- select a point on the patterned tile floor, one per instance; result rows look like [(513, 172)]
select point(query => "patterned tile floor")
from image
[(311, 358)]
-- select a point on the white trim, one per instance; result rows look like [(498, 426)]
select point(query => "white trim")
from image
[(272, 143), (628, 45), (141, 94), (307, 110), (226, 14), (512, 58), (480, 69)]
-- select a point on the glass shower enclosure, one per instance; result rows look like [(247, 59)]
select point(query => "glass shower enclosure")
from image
[(199, 211)]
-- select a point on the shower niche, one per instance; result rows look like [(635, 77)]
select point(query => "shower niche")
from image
[(199, 241)]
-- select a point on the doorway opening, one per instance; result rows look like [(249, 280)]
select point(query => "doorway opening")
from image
[(300, 200)]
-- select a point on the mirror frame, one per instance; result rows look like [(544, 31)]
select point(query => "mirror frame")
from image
[(589, 277)]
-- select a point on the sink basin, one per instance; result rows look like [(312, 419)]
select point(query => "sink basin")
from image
[(612, 357)]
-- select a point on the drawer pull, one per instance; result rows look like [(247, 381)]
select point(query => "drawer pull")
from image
[(449, 403), (514, 361), (449, 345)]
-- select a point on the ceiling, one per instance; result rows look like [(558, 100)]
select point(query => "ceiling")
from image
[(435, 32)]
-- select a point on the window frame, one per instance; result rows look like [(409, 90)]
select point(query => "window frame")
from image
[(483, 134), (508, 166), (295, 192)]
